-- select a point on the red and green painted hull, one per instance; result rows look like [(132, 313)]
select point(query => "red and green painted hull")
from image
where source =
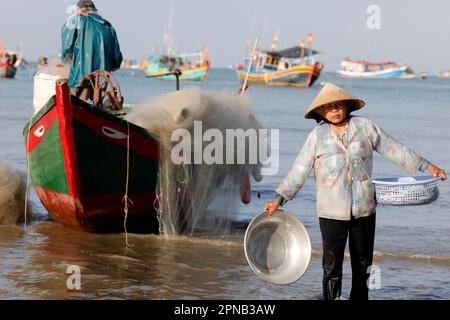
[(78, 165), (7, 70)]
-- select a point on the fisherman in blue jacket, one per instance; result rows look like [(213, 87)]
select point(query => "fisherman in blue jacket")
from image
[(90, 42)]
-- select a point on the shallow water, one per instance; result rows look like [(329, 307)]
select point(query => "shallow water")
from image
[(411, 242)]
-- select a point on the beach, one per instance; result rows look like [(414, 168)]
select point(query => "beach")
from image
[(411, 242)]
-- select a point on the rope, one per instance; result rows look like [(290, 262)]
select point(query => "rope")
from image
[(28, 176), (250, 65), (126, 200), (157, 206)]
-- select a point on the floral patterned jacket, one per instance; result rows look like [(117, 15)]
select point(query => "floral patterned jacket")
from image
[(343, 169)]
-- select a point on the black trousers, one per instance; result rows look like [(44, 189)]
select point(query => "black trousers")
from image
[(361, 233)]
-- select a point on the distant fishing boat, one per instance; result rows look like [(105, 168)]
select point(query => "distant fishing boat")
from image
[(365, 69), (444, 74), (7, 70), (9, 61), (292, 67), (193, 66)]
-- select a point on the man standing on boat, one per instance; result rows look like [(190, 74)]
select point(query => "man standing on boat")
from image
[(90, 42)]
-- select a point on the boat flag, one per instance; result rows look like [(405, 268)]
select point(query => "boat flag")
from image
[(205, 56), (275, 42)]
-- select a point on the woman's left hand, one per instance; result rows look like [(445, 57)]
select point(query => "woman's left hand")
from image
[(436, 171)]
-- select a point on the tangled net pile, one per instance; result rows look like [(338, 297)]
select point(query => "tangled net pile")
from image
[(198, 197)]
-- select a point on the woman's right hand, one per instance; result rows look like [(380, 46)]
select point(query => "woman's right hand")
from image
[(271, 207)]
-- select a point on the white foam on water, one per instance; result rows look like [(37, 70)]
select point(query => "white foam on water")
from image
[(193, 197)]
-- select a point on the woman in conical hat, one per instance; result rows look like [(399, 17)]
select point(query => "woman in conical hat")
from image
[(340, 151)]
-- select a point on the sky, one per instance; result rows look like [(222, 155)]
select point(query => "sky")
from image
[(411, 32)]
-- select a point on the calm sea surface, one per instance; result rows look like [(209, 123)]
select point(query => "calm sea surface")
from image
[(412, 243)]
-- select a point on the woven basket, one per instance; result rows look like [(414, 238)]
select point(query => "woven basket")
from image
[(406, 191)]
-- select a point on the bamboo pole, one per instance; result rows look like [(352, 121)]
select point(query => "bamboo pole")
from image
[(244, 86), (302, 48)]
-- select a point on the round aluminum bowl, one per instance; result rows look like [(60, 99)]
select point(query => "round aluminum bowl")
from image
[(277, 248)]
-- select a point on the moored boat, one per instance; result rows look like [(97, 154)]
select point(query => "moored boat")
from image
[(96, 168), (292, 67), (86, 162), (9, 61), (193, 66), (7, 70), (168, 65), (365, 69), (444, 74)]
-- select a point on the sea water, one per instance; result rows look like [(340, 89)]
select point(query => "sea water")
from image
[(411, 243)]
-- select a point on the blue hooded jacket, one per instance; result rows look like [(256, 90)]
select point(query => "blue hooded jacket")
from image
[(92, 43)]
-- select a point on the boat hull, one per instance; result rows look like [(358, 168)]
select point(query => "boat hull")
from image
[(297, 76), (81, 163), (7, 71), (381, 74), (194, 74)]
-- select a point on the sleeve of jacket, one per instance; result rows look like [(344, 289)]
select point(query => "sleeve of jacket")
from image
[(68, 37), (300, 170), (393, 150)]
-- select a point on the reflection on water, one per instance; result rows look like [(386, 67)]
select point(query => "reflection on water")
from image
[(33, 264), (153, 267)]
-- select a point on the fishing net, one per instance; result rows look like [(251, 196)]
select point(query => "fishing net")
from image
[(12, 190), (193, 196)]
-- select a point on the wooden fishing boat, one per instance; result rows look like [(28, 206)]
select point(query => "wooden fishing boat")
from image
[(193, 66), (83, 160), (379, 70), (293, 67)]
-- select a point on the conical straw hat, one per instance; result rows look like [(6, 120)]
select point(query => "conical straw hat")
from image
[(332, 93)]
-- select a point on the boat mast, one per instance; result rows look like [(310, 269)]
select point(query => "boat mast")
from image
[(302, 51), (168, 38), (310, 40), (244, 86), (275, 41)]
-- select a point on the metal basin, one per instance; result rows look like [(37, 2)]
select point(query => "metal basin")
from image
[(277, 248)]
